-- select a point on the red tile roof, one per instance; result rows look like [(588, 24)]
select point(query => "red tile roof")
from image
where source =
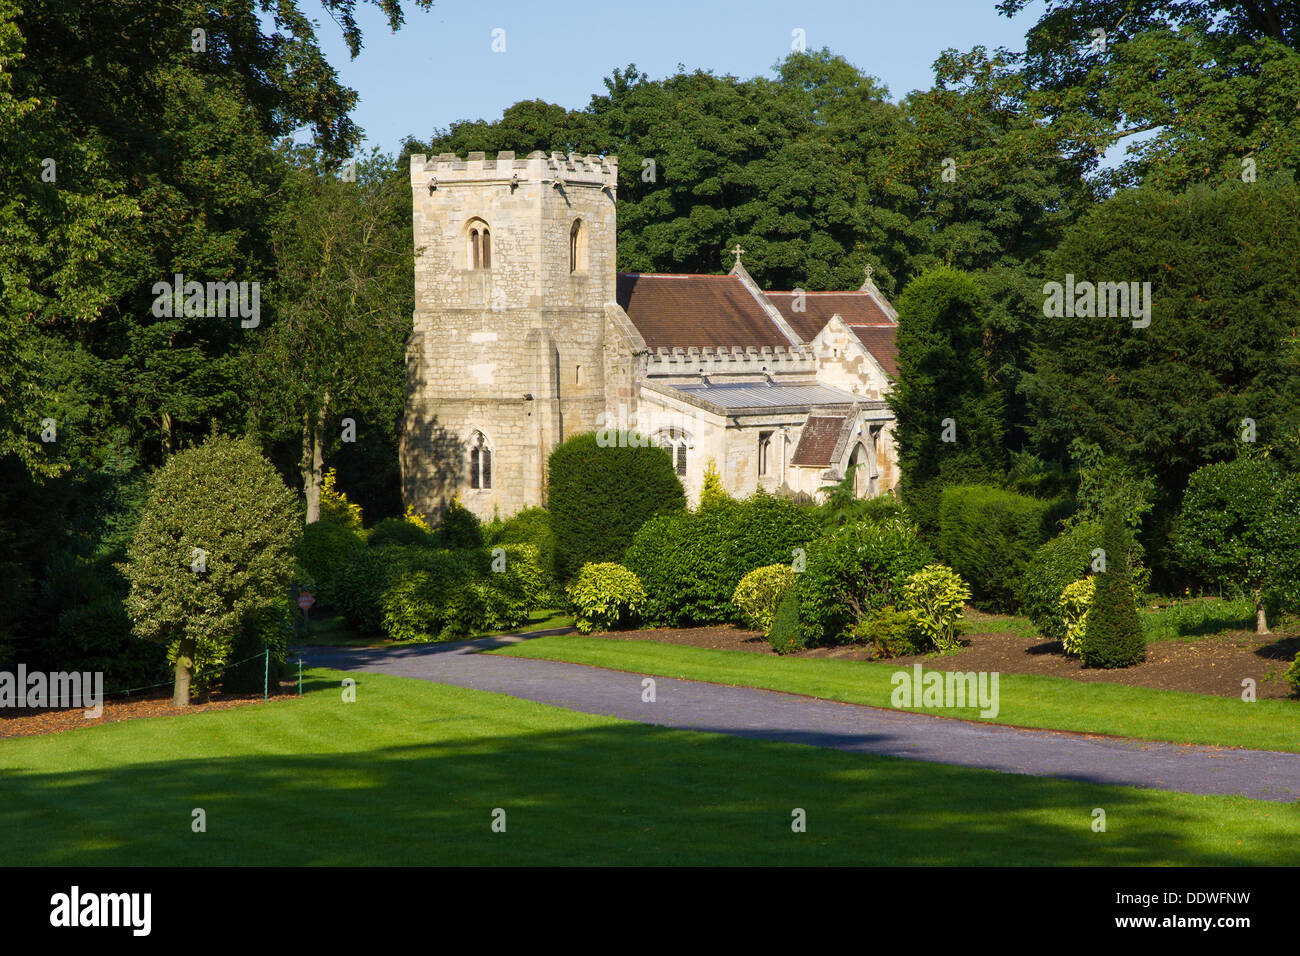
[(681, 311), (855, 308), (879, 341), (818, 440)]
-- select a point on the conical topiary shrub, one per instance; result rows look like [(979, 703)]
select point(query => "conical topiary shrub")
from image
[(1113, 633)]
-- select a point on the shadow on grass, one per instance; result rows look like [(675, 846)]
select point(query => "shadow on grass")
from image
[(597, 795)]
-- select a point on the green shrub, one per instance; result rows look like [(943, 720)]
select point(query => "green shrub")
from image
[(853, 571), (605, 596), (1061, 561), (691, 562), (1113, 632), (1292, 675), (988, 535), (935, 597), (532, 527), (599, 497), (1074, 603), (759, 592), (892, 631), (367, 573), (398, 532), (785, 635), (459, 529), (321, 550)]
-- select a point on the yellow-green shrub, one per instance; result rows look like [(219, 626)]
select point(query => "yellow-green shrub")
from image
[(604, 596)]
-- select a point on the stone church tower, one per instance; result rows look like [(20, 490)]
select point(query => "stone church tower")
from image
[(514, 265)]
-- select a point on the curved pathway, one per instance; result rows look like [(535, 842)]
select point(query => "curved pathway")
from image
[(773, 715)]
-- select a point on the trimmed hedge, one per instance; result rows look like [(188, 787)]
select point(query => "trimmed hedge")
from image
[(1112, 635), (785, 635), (759, 593), (854, 571), (1060, 562), (989, 535), (599, 496), (400, 533), (690, 563)]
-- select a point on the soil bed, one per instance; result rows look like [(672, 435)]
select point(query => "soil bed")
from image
[(1211, 665)]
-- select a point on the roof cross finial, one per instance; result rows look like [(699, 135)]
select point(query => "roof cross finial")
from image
[(868, 271), (738, 253)]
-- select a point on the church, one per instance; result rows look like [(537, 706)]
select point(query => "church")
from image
[(525, 334)]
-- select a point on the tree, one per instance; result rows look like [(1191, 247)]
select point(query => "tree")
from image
[(1214, 360), (1240, 529), (948, 407), (214, 549), (1112, 634), (342, 299)]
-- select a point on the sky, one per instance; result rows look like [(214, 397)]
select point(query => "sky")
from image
[(441, 66)]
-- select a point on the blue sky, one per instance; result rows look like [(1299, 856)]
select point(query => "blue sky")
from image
[(441, 67)]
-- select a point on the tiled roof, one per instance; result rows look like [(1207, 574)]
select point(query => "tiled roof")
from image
[(861, 312), (879, 341), (762, 395), (818, 440), (681, 311), (855, 308)]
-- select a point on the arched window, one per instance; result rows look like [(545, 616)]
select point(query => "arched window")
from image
[(478, 245), (674, 439), (480, 461), (577, 255)]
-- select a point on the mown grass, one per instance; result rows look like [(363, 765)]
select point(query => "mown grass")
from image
[(1025, 700), (411, 773)]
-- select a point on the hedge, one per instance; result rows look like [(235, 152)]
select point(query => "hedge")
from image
[(988, 535), (599, 496)]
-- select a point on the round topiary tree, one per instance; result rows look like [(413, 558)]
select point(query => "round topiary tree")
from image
[(1112, 633), (600, 492), (214, 551), (1240, 529)]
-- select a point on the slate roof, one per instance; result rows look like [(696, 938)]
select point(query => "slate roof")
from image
[(762, 395)]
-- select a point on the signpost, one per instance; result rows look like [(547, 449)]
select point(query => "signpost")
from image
[(305, 601)]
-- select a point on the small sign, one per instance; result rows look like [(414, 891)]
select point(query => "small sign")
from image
[(305, 600)]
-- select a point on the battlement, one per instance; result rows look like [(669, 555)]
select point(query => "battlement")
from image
[(723, 359), (537, 167)]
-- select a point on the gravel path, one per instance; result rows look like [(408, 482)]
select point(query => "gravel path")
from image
[(772, 715)]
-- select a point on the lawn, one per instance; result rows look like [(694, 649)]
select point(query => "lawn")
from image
[(1025, 700), (411, 773)]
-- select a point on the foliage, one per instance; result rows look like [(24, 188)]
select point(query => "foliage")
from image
[(853, 571), (843, 506), (785, 635), (532, 527), (223, 504), (759, 593), (605, 596), (948, 406), (712, 492), (692, 562), (935, 597), (320, 552), (335, 507), (414, 517), (363, 577), (399, 532), (1073, 605), (1060, 562), (599, 496), (893, 632), (1292, 676), (459, 528), (989, 535), (1240, 528), (269, 630), (1112, 635)]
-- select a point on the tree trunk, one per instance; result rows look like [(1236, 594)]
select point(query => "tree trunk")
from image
[(313, 459), (184, 671), (1261, 619)]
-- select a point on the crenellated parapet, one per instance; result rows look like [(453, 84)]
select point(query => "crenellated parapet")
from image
[(730, 360), (556, 168)]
